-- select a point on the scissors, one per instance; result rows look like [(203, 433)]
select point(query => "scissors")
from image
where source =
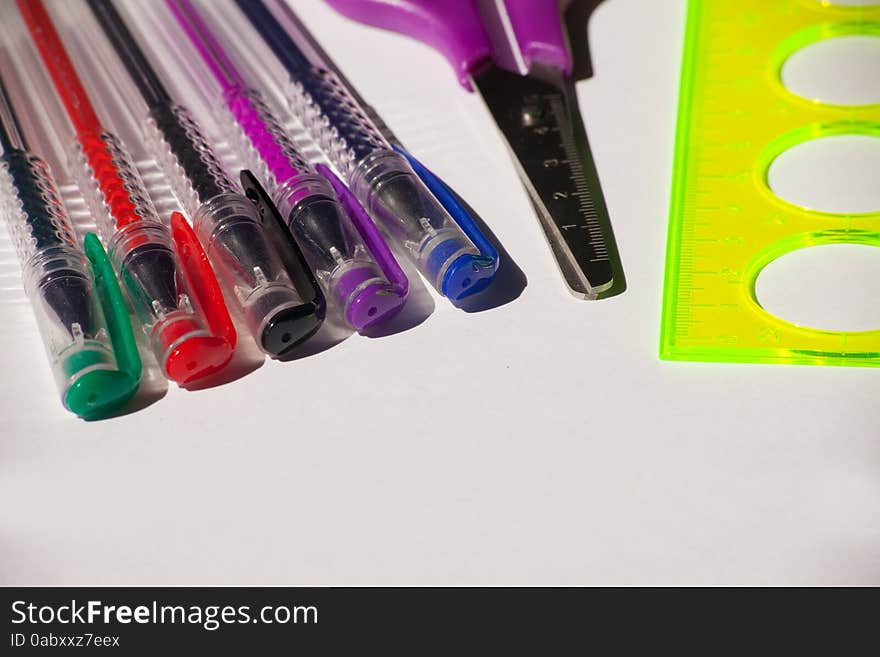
[(516, 55)]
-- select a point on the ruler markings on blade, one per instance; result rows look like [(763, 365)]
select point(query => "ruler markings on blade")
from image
[(586, 204), (540, 120)]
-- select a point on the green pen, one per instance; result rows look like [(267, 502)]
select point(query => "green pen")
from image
[(77, 301)]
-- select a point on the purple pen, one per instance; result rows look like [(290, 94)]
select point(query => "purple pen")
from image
[(350, 259)]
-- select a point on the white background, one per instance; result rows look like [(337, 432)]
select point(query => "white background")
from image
[(539, 442)]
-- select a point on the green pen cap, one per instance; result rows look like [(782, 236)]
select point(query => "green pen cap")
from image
[(100, 383)]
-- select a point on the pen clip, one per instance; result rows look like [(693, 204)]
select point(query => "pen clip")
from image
[(294, 262), (454, 207), (201, 280), (115, 311), (368, 231)]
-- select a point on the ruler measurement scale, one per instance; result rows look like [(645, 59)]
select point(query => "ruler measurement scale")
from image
[(725, 224), (595, 237), (591, 244)]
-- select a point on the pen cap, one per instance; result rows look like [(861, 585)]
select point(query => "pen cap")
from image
[(201, 280), (304, 320), (92, 353), (230, 228), (168, 311), (140, 247), (305, 200), (227, 224), (396, 197), (336, 252)]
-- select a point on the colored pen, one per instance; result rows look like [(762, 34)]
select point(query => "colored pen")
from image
[(405, 197), (351, 260), (227, 223), (191, 336), (77, 303)]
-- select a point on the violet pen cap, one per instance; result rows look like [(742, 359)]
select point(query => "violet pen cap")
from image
[(369, 293)]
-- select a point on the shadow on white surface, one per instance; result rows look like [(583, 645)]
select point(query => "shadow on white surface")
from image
[(418, 307), (246, 359), (510, 281), (328, 336), (153, 387)]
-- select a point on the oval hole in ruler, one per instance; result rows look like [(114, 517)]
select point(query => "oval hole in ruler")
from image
[(830, 287), (839, 174), (840, 71)]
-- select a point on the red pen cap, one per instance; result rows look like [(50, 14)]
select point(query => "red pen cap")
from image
[(190, 352)]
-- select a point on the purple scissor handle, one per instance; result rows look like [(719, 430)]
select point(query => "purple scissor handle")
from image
[(467, 35), (515, 53)]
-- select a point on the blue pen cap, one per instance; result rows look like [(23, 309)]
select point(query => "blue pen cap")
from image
[(468, 273), (459, 273), (403, 203)]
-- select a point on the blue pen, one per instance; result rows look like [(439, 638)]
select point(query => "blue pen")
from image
[(415, 209)]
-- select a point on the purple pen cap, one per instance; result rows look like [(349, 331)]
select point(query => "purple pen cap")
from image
[(365, 296), (349, 253)]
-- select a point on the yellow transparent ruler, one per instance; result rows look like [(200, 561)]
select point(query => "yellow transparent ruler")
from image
[(726, 225)]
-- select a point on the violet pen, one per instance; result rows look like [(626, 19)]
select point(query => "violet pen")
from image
[(346, 251), (412, 204)]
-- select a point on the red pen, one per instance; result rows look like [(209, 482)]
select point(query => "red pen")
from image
[(165, 271)]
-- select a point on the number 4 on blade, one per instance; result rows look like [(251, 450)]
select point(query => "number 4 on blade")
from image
[(540, 121)]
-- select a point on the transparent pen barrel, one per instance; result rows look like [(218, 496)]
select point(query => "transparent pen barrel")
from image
[(139, 245), (151, 274), (35, 215), (70, 319), (185, 156), (110, 183), (54, 270), (334, 251), (260, 139), (234, 239), (328, 239), (333, 118), (395, 196)]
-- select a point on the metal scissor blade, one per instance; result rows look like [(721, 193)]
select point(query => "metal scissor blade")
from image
[(539, 117)]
